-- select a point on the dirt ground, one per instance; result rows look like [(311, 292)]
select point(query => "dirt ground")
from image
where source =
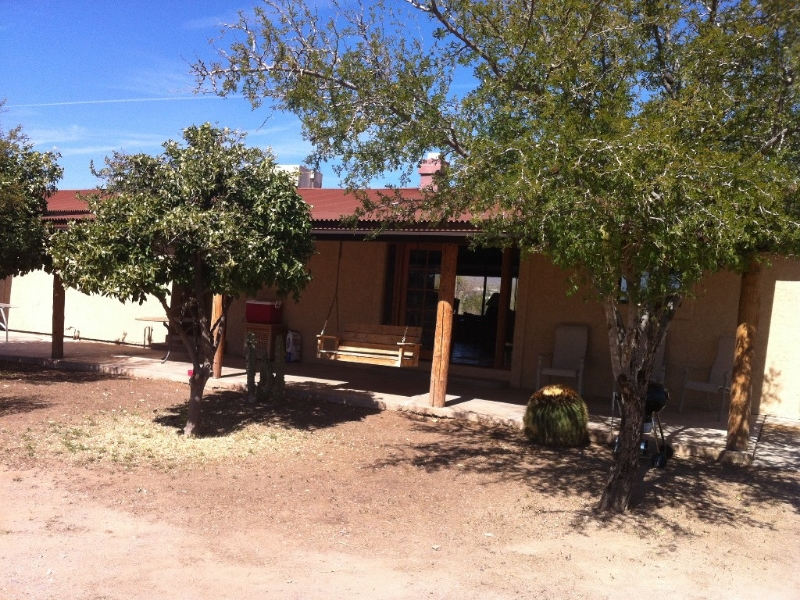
[(101, 497)]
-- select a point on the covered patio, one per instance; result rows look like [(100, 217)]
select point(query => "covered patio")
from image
[(695, 432)]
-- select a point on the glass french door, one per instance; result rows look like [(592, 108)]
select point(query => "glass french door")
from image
[(423, 266), (485, 301)]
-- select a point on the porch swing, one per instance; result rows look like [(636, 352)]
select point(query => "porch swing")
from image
[(389, 345)]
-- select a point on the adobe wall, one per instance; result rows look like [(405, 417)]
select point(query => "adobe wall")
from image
[(691, 343), (359, 300), (542, 303)]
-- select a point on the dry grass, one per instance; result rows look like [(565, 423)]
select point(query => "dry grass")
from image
[(135, 440), (113, 420)]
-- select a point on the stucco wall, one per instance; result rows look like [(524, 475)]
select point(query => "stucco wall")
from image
[(360, 297), (89, 317), (701, 321), (695, 331)]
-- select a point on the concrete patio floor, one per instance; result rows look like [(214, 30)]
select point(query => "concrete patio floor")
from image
[(774, 443)]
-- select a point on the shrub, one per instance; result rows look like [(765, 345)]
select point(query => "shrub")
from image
[(556, 416)]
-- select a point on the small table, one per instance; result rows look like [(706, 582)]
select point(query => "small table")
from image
[(164, 321), (4, 316)]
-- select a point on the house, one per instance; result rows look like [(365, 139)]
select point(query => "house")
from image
[(506, 308)]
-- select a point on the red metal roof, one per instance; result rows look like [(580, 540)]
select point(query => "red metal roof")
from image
[(328, 206), (331, 204), (67, 201), (65, 206)]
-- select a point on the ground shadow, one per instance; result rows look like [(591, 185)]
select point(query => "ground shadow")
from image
[(780, 435), (36, 374), (226, 412), (12, 406), (378, 379), (691, 485)]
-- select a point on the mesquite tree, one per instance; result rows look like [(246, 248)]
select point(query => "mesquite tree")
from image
[(646, 142), (211, 216)]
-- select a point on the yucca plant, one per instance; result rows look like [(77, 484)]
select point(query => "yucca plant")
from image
[(556, 416)]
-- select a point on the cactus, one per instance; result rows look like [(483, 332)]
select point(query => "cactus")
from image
[(250, 361), (279, 381), (270, 384), (265, 380), (556, 416)]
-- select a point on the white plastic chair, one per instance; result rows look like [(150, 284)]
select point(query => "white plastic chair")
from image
[(569, 355), (719, 378)]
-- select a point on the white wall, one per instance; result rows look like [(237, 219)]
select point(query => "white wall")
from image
[(90, 317), (780, 390)]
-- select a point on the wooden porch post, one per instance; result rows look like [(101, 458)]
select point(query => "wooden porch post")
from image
[(216, 313), (444, 325), (742, 375), (502, 310), (59, 301)]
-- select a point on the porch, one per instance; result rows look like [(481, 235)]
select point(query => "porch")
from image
[(774, 442)]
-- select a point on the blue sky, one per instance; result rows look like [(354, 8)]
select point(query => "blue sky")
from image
[(90, 77)]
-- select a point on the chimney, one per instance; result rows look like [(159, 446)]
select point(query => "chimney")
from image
[(430, 165), (306, 178), (309, 178)]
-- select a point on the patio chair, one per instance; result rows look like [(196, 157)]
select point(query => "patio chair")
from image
[(719, 377), (569, 355)]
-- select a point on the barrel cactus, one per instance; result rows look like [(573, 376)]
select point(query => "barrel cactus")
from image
[(556, 416)]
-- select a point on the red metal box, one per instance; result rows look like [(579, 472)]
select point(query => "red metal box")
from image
[(263, 312)]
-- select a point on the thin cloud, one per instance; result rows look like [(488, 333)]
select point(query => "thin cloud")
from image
[(107, 142), (159, 79), (82, 151), (213, 22), (204, 23), (292, 129), (115, 101), (58, 135), (77, 140)]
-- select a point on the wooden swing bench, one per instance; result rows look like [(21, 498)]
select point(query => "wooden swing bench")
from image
[(391, 345)]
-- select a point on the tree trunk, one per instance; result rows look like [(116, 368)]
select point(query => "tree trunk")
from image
[(59, 302), (633, 342), (742, 376), (619, 487), (197, 383)]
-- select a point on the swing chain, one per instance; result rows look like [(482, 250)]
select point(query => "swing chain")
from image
[(335, 299)]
